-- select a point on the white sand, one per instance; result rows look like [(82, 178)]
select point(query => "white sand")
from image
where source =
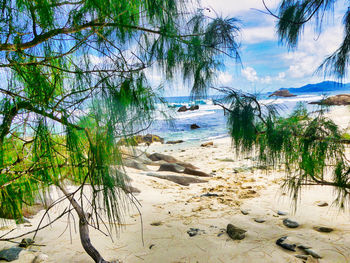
[(179, 208)]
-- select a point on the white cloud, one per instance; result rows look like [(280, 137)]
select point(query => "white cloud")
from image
[(251, 75), (312, 52), (252, 35), (224, 78)]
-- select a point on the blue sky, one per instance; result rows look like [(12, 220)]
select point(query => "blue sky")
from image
[(267, 65)]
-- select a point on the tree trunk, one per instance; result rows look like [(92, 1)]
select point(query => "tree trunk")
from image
[(84, 229)]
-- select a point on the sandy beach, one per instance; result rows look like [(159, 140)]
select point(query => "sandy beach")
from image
[(239, 193)]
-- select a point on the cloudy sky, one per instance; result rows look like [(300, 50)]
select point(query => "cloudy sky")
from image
[(267, 65)]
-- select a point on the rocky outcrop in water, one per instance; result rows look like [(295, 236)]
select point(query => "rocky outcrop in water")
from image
[(282, 93), (337, 100)]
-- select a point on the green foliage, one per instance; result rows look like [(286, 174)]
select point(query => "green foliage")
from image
[(309, 145), (75, 81)]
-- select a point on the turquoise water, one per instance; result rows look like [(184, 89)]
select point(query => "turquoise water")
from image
[(211, 119)]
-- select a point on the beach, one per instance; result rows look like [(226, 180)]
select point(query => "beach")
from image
[(238, 193)]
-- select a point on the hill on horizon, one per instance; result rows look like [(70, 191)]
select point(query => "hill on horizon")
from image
[(325, 86)]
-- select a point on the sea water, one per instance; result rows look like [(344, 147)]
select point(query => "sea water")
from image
[(210, 117)]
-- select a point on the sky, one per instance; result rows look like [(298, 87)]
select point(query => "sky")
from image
[(266, 64)]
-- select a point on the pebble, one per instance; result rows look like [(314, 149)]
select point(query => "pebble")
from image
[(280, 242), (323, 229), (281, 213), (235, 233), (289, 223), (259, 220), (195, 231), (312, 253), (158, 223), (321, 203), (303, 257), (244, 212)]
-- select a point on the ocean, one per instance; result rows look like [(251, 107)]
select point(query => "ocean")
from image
[(211, 119)]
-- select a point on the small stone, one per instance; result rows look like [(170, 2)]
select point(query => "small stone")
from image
[(280, 242), (152, 245), (209, 195), (10, 254), (281, 213), (157, 223), (259, 220), (289, 223), (244, 212), (321, 203), (40, 258), (195, 231), (312, 253), (235, 233), (194, 126), (26, 242), (323, 229)]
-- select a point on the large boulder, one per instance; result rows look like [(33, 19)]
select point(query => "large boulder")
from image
[(337, 100), (194, 107), (282, 93), (135, 164), (164, 157), (138, 139), (194, 126), (172, 167), (178, 179), (195, 172), (182, 109), (174, 142)]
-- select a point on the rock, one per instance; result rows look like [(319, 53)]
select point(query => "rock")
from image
[(40, 258), (182, 109), (341, 99), (187, 165), (151, 246), (10, 254), (135, 164), (195, 231), (157, 223), (209, 195), (280, 213), (259, 220), (164, 157), (194, 126), (206, 144), (244, 212), (137, 139), (321, 203), (282, 93), (235, 233), (195, 172), (178, 179), (26, 242), (312, 253), (171, 167), (174, 142), (323, 229), (194, 107), (280, 242), (289, 223)]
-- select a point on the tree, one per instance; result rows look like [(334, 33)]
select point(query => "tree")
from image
[(310, 145), (74, 80)]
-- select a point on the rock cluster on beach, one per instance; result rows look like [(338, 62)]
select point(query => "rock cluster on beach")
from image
[(337, 100), (191, 108)]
